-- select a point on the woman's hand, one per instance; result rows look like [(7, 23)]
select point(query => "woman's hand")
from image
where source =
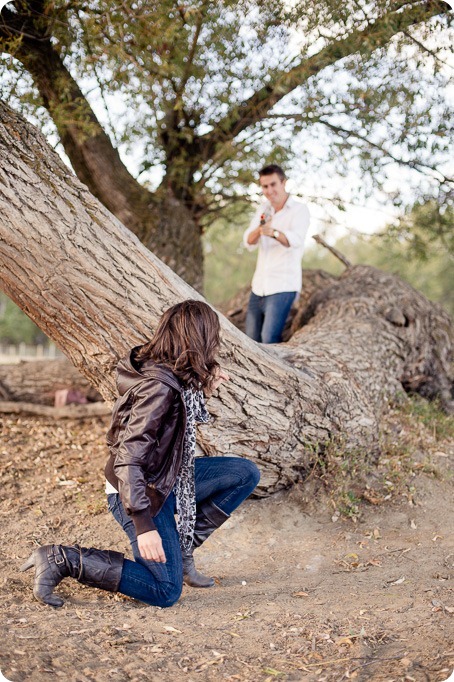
[(150, 546), (218, 378)]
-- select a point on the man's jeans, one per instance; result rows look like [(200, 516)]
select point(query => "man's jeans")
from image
[(226, 481), (266, 316)]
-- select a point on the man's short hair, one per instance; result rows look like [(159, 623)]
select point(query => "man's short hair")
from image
[(272, 168)]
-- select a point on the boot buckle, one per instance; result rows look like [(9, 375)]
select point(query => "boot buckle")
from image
[(59, 560)]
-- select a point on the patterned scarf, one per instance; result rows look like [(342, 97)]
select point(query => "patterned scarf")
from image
[(185, 483)]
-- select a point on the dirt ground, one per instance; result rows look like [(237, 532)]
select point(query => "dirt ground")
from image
[(304, 592)]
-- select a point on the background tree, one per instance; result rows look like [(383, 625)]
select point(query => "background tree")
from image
[(205, 92), (96, 290)]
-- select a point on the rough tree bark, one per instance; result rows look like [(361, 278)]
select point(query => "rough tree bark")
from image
[(94, 288)]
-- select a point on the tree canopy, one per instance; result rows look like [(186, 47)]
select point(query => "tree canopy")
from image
[(196, 96)]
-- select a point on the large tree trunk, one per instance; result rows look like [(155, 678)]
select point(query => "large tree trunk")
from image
[(93, 288)]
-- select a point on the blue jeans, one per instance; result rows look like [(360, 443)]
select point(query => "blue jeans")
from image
[(226, 481), (266, 316)]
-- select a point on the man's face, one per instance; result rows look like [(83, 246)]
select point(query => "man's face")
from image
[(273, 188)]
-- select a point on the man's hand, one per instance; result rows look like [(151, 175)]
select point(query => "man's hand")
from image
[(266, 230), (150, 546), (263, 230)]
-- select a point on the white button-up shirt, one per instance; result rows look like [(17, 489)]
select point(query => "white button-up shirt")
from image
[(279, 267)]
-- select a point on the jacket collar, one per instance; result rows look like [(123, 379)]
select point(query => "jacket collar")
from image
[(129, 374), (161, 373)]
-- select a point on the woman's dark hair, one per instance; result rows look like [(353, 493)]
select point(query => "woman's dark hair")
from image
[(186, 340)]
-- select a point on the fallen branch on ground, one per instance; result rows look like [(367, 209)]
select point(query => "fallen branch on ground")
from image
[(98, 409)]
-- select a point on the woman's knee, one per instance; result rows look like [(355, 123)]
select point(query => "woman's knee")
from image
[(250, 473), (171, 594), (165, 596)]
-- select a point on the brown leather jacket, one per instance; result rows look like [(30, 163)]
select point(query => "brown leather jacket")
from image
[(145, 438)]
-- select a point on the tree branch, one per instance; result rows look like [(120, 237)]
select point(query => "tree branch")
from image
[(363, 41), (416, 165), (426, 49), (335, 252), (192, 51), (98, 79)]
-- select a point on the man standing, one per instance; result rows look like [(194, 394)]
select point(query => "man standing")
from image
[(279, 229)]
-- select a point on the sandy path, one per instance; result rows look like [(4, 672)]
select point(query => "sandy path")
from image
[(298, 596)]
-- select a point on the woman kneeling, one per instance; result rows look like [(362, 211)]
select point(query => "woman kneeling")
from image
[(152, 472)]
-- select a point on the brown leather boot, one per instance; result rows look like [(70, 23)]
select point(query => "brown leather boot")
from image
[(93, 567), (193, 577), (209, 517)]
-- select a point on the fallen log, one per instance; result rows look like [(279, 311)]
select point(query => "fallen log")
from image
[(37, 381), (99, 409)]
